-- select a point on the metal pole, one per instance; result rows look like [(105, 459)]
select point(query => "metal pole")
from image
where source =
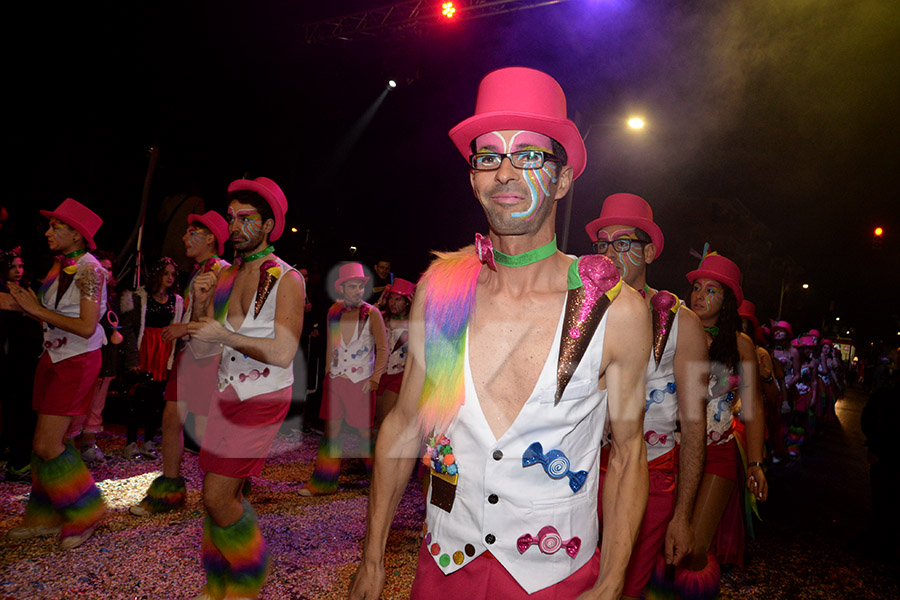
[(781, 299)]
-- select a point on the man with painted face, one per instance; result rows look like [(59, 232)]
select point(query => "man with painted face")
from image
[(357, 354), (676, 375), (192, 381), (249, 315), (517, 356)]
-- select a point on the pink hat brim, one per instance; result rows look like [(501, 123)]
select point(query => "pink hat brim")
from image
[(88, 238), (702, 273), (343, 280), (646, 225), (212, 226), (278, 211), (563, 131)]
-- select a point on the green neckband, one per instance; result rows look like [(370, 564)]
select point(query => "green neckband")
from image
[(260, 254), (526, 258), (76, 253)]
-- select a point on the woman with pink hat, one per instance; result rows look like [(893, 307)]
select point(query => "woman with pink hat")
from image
[(399, 295), (734, 380), (64, 498)]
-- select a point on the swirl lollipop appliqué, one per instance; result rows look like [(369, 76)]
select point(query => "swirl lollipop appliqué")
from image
[(556, 464)]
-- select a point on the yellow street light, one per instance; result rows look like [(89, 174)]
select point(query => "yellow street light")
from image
[(636, 123)]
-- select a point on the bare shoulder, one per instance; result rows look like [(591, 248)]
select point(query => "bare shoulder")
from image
[(628, 309), (292, 285), (690, 329), (746, 346), (629, 327)]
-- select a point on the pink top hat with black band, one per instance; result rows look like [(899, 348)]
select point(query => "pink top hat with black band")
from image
[(271, 193), (216, 225), (720, 269), (347, 272), (522, 98), (402, 287), (747, 310), (786, 326), (79, 217), (627, 209)]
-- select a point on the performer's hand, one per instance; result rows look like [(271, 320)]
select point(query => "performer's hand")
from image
[(370, 385), (204, 284), (679, 540), (368, 582), (208, 330), (757, 484), (173, 332), (24, 297)]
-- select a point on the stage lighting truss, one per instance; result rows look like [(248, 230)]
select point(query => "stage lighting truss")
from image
[(411, 16)]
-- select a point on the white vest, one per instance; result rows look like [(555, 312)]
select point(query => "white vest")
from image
[(498, 500), (396, 361), (661, 403), (355, 360), (60, 344), (248, 376), (719, 414)]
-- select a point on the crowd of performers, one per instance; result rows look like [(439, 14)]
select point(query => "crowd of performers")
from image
[(663, 462)]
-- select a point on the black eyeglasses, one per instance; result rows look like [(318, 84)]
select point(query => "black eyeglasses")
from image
[(523, 159), (619, 245)]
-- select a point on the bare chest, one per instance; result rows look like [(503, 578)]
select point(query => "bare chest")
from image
[(241, 297), (349, 324), (508, 347)]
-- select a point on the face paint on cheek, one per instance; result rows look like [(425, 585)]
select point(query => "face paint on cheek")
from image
[(538, 181), (61, 233)]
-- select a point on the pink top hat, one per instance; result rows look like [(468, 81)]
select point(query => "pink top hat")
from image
[(786, 326), (521, 98), (627, 209), (79, 217), (217, 226), (747, 310), (814, 333), (402, 287), (807, 341), (347, 272), (721, 269), (827, 342), (271, 193)]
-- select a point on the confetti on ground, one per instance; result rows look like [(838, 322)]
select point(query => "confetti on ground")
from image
[(315, 542)]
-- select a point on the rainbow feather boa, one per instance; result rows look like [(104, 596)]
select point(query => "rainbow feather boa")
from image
[(450, 283)]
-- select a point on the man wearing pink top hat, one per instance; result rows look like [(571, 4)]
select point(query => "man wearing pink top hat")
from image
[(192, 381), (519, 359), (398, 300), (63, 497), (357, 353), (676, 389), (248, 315)]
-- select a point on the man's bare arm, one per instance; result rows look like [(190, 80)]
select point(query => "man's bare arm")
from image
[(278, 351), (691, 380), (626, 351), (396, 452), (753, 417)]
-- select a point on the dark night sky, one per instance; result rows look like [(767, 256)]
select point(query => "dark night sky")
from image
[(789, 108)]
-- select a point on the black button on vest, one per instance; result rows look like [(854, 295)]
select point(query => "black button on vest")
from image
[(489, 538), (497, 455)]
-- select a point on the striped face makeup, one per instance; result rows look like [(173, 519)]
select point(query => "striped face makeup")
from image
[(630, 262), (245, 227), (707, 296), (59, 235), (519, 194)]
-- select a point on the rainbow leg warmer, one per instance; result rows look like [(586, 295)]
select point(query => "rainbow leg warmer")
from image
[(662, 581), (699, 585), (39, 511), (324, 479), (165, 494), (234, 557), (72, 492)]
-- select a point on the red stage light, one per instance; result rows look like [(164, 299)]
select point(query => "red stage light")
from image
[(448, 10)]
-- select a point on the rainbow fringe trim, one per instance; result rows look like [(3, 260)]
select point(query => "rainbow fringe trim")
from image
[(699, 585), (234, 557), (324, 479), (71, 490), (662, 581), (39, 511), (223, 293), (165, 494), (450, 284)]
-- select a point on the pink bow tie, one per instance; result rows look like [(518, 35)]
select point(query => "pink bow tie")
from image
[(549, 541), (484, 247)]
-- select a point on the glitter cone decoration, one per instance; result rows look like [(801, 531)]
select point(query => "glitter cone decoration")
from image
[(269, 273), (665, 310), (594, 283)]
